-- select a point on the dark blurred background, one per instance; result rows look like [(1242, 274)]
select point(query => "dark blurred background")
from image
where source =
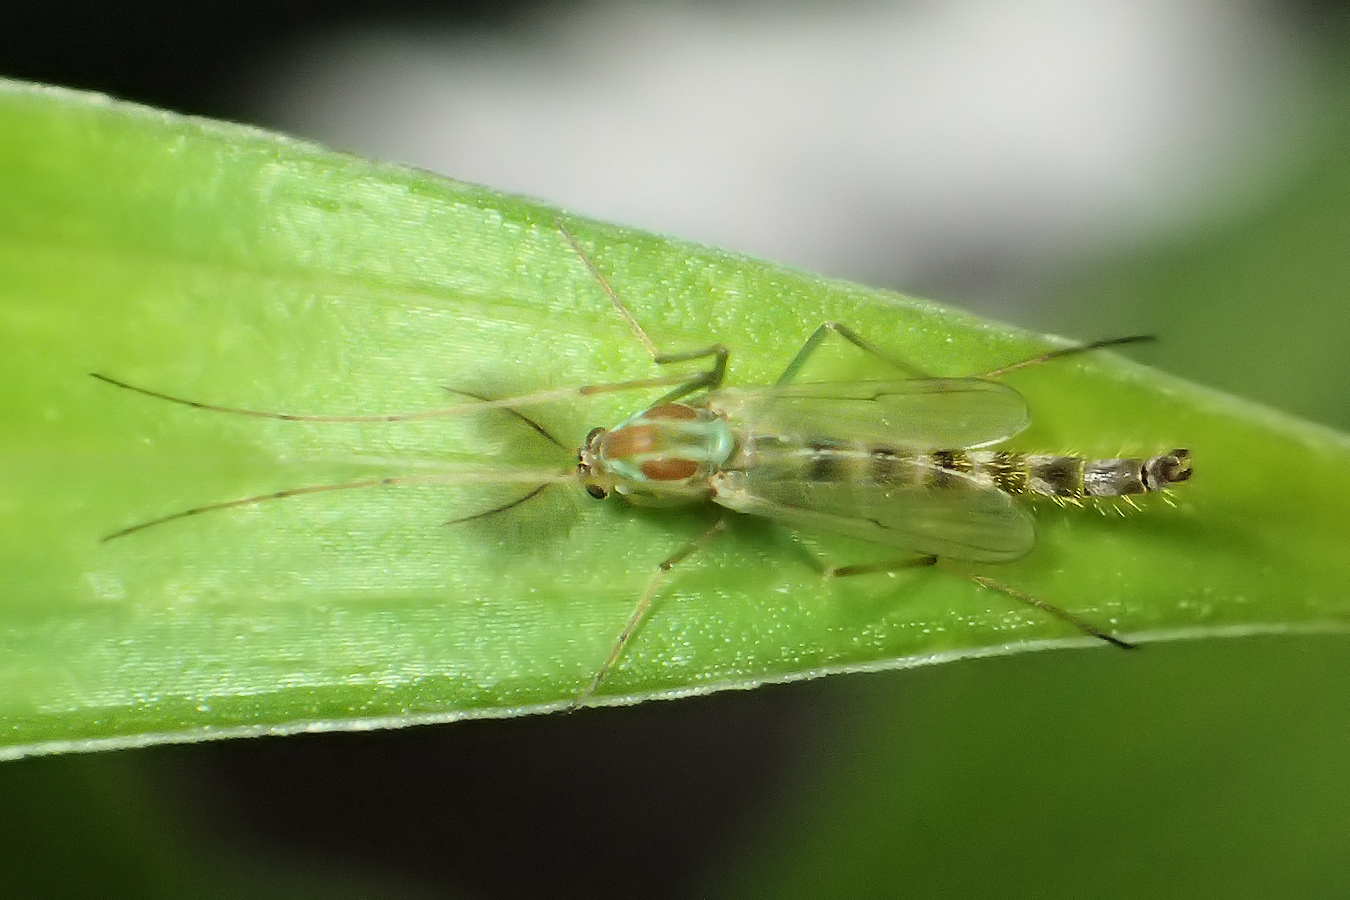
[(1179, 167)]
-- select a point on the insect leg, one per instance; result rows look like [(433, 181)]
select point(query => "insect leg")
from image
[(619, 305), (1057, 612), (891, 565), (929, 560), (710, 379), (644, 604), (544, 478), (826, 570), (684, 384), (1067, 351), (813, 342)]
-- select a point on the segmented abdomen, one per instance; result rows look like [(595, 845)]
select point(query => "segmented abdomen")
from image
[(1050, 475)]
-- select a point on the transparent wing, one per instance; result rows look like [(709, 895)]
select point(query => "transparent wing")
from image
[(918, 414), (961, 519)]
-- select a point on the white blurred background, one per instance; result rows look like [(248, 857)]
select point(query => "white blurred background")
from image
[(956, 149), (1097, 167)]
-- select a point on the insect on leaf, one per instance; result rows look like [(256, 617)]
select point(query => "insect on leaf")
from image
[(231, 266)]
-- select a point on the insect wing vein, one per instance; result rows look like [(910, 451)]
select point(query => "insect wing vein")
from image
[(917, 414), (962, 519)]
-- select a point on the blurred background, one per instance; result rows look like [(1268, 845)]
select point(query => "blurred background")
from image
[(1178, 167)]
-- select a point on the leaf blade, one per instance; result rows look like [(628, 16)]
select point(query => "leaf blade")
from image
[(222, 263)]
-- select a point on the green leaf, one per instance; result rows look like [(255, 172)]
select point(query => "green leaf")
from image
[(236, 267)]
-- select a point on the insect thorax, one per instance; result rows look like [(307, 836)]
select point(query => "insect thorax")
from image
[(663, 455)]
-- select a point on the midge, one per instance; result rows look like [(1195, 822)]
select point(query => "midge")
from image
[(908, 463)]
